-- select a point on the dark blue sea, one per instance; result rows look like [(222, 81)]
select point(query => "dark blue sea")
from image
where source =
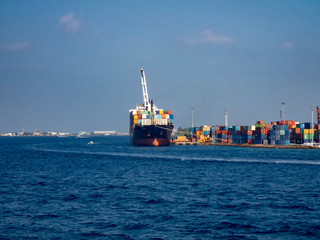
[(64, 188)]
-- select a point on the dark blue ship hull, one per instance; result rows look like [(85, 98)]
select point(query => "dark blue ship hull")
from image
[(151, 135)]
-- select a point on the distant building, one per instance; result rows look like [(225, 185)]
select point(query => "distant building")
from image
[(104, 133), (35, 133)]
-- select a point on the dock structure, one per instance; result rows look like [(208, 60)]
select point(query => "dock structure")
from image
[(185, 143)]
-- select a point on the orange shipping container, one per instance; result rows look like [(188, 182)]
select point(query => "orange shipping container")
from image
[(164, 116)]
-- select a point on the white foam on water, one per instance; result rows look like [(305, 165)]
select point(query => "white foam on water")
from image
[(189, 158)]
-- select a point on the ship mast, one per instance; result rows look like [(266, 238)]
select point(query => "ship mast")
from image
[(145, 91)]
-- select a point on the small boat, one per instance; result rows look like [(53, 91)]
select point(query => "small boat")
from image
[(91, 142)]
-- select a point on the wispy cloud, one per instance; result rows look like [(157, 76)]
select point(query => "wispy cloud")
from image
[(207, 37), (69, 23), (287, 45), (17, 46)]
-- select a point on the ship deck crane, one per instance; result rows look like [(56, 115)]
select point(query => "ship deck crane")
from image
[(146, 102)]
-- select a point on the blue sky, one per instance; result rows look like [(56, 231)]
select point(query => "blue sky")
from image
[(74, 65)]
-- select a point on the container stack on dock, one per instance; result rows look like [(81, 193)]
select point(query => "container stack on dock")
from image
[(297, 133), (221, 134), (308, 132), (242, 134), (276, 133), (200, 133), (279, 135), (261, 132)]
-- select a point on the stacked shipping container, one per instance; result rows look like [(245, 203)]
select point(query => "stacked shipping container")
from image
[(261, 132), (145, 118), (200, 133), (277, 133)]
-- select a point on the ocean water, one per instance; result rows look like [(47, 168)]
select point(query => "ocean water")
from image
[(64, 188)]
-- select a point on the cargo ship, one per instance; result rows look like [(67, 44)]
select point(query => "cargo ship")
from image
[(149, 125)]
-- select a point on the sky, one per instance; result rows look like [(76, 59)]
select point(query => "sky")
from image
[(72, 66)]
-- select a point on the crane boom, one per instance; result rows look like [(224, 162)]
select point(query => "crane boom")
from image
[(144, 90)]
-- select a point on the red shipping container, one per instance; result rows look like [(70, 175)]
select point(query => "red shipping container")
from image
[(249, 141), (299, 136), (260, 130)]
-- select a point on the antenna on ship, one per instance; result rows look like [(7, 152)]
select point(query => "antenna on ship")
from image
[(144, 90)]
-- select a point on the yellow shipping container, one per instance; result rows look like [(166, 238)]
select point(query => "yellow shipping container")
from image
[(181, 138), (161, 111), (135, 121), (201, 137), (306, 131), (135, 117)]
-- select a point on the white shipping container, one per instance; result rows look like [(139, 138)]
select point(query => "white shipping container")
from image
[(146, 122), (144, 116)]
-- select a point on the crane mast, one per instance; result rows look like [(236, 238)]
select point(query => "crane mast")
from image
[(145, 91)]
